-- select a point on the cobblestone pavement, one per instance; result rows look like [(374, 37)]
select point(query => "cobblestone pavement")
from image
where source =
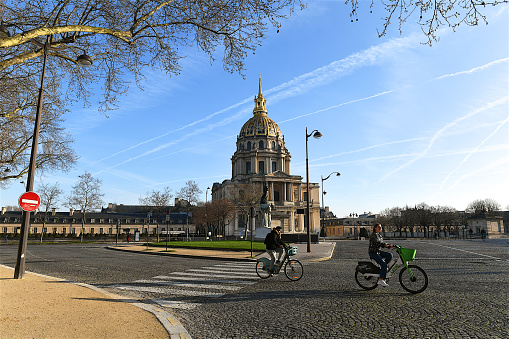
[(467, 297)]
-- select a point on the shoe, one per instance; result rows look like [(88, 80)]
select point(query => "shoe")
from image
[(382, 282)]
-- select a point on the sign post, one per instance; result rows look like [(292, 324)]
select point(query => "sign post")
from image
[(28, 201)]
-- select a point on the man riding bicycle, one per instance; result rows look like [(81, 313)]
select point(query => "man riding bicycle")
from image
[(382, 258), (273, 243)]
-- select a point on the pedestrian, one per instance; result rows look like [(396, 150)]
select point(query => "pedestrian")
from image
[(376, 242), (273, 244)]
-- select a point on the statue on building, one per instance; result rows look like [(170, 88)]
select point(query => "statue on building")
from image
[(263, 199)]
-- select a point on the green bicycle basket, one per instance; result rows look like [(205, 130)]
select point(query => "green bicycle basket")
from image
[(407, 254), (292, 250)]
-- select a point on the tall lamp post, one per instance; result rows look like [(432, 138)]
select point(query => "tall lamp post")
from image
[(206, 210), (82, 60), (323, 193), (353, 216), (317, 135)]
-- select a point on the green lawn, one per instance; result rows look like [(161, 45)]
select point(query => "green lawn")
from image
[(220, 244)]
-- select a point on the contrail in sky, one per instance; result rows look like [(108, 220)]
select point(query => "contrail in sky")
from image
[(474, 150), (439, 133), (480, 68), (296, 86)]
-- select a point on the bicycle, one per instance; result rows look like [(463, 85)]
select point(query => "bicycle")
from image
[(292, 267), (411, 277)]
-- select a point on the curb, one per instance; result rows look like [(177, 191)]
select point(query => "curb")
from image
[(328, 255)]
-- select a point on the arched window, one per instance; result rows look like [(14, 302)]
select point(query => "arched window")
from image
[(260, 144), (248, 145), (273, 145), (261, 167)]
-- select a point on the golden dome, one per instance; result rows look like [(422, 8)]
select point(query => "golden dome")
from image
[(260, 124)]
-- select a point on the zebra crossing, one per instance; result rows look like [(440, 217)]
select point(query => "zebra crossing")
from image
[(189, 289)]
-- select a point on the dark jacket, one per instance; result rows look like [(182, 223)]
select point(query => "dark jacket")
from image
[(273, 240)]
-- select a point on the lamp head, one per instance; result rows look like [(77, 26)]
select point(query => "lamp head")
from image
[(84, 60), (317, 135), (338, 174)]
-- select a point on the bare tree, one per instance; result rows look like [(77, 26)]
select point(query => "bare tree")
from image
[(16, 134), (125, 36), (245, 196), (191, 194), (483, 206), (85, 197), (157, 201), (50, 194), (429, 14), (222, 212)]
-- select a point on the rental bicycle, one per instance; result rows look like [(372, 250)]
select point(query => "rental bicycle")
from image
[(411, 277), (292, 267)]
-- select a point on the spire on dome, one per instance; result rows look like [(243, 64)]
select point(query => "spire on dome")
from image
[(260, 101)]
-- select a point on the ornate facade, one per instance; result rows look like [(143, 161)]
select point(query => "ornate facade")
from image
[(262, 159)]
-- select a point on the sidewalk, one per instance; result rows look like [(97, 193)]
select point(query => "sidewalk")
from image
[(39, 306)]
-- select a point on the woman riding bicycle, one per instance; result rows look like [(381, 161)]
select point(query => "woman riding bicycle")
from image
[(382, 258)]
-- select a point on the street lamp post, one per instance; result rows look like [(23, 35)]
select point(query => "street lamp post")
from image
[(323, 203), (206, 210), (118, 228), (19, 271), (317, 135), (353, 216)]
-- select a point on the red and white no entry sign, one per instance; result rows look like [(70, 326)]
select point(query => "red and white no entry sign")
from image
[(29, 201)]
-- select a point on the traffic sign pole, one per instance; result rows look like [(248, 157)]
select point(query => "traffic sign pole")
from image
[(19, 270)]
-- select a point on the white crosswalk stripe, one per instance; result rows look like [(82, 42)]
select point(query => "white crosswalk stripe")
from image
[(189, 289)]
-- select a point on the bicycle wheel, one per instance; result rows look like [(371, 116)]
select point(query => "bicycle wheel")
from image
[(417, 282), (264, 274), (294, 269), (367, 282)]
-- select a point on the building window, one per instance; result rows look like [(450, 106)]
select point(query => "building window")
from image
[(248, 167), (274, 166), (248, 145), (261, 167), (273, 145), (305, 196), (260, 144), (101, 231), (92, 221)]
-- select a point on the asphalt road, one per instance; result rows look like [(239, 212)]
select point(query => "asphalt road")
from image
[(467, 296)]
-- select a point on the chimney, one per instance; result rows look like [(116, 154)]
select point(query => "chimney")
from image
[(4, 209), (71, 211), (53, 211)]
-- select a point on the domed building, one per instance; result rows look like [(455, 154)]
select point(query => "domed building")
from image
[(262, 160)]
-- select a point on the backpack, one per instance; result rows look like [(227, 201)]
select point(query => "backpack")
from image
[(268, 239)]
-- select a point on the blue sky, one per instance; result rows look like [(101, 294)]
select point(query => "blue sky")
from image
[(403, 122)]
